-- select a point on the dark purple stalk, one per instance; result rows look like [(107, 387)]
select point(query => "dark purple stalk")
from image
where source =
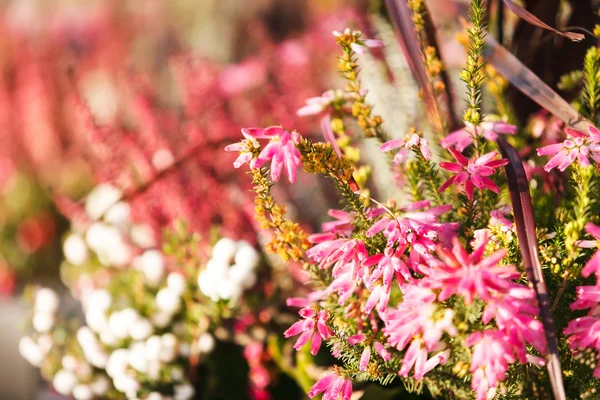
[(525, 223), (527, 82)]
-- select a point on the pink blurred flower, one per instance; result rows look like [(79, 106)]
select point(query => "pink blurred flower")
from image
[(593, 265), (313, 326), (462, 138), (472, 173), (333, 385), (409, 141), (491, 356), (316, 105), (563, 154)]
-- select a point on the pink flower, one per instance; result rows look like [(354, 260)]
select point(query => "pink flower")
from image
[(472, 173), (316, 105), (498, 219), (281, 150), (333, 385), (357, 44), (342, 224), (409, 141), (593, 265), (337, 253), (416, 356), (584, 146), (470, 275), (491, 356), (313, 326), (462, 138)]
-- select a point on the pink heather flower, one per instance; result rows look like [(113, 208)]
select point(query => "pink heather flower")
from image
[(334, 386), (470, 275), (313, 326), (472, 173), (409, 141), (382, 351), (388, 265), (316, 105), (418, 321), (563, 154), (462, 138), (491, 356), (497, 218), (342, 225), (328, 134), (515, 314), (329, 251), (593, 265), (418, 229)]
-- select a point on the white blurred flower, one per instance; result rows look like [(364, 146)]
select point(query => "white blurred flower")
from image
[(69, 362), (246, 255), (125, 383), (83, 392), (224, 250), (229, 290), (117, 363), (96, 319), (137, 357), (154, 367), (91, 347), (142, 236), (118, 326), (154, 396), (162, 159), (99, 299), (152, 265), (45, 342), (100, 199), (206, 343), (30, 351), (75, 249), (108, 244), (141, 329), (161, 319), (177, 374), (242, 275), (119, 215), (184, 392), (210, 278), (153, 346), (176, 282), (107, 337), (46, 301), (100, 385), (64, 382), (168, 348), (168, 300), (43, 321)]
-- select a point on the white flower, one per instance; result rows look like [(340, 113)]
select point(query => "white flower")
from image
[(206, 343), (99, 299), (152, 265), (168, 300), (120, 322), (91, 347), (141, 329), (154, 396), (107, 337), (168, 348), (184, 392), (224, 250), (118, 215), (117, 363), (108, 244), (177, 374), (30, 351), (43, 321), (137, 357), (142, 236), (242, 276), (229, 290), (246, 255), (153, 346), (64, 382), (96, 319), (69, 362), (162, 159), (100, 199), (176, 282), (154, 367), (125, 383), (45, 342), (83, 392), (75, 249), (208, 280), (161, 319), (100, 385), (46, 300)]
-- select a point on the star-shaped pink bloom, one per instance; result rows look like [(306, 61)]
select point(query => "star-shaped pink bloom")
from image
[(462, 138), (406, 143), (581, 148), (472, 173)]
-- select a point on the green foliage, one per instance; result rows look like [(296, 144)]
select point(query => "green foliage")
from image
[(591, 85)]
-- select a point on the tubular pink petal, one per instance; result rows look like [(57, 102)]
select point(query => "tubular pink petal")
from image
[(364, 359), (382, 351), (391, 145), (315, 345), (321, 385), (550, 149), (293, 330), (452, 167), (347, 390), (355, 339), (462, 160), (373, 43)]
